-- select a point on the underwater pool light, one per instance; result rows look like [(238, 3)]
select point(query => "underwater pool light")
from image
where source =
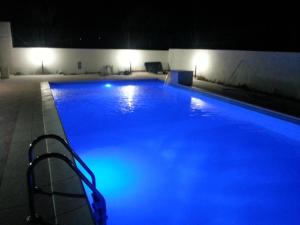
[(107, 85)]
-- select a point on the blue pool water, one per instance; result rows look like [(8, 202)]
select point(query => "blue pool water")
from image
[(165, 155)]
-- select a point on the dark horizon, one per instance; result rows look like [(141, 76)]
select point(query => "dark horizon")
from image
[(89, 25)]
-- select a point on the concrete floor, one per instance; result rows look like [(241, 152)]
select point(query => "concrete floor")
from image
[(21, 120)]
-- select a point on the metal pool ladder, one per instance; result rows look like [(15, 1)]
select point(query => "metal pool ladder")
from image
[(99, 204)]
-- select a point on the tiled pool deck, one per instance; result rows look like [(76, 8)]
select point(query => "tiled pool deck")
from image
[(24, 116)]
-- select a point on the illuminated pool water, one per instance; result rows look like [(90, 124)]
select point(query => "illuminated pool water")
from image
[(165, 155)]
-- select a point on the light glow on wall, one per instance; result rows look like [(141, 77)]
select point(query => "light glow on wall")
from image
[(39, 56), (127, 58), (201, 62)]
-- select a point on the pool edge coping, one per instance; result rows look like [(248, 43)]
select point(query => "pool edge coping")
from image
[(48, 104), (259, 109)]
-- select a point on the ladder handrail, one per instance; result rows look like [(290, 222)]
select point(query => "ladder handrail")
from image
[(31, 186), (66, 145)]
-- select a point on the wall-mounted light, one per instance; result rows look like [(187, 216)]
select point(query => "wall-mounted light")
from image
[(200, 62), (127, 59), (41, 56)]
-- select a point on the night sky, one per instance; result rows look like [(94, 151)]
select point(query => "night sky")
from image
[(86, 24)]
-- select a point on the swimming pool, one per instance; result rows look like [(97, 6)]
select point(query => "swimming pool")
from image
[(165, 155)]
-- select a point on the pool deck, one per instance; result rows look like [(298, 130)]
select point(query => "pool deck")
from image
[(22, 119)]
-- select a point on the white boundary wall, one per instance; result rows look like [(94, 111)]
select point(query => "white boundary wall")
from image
[(55, 60), (271, 72)]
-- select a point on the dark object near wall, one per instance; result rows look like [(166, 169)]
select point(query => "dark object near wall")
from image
[(126, 72), (79, 65), (154, 67), (182, 77)]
